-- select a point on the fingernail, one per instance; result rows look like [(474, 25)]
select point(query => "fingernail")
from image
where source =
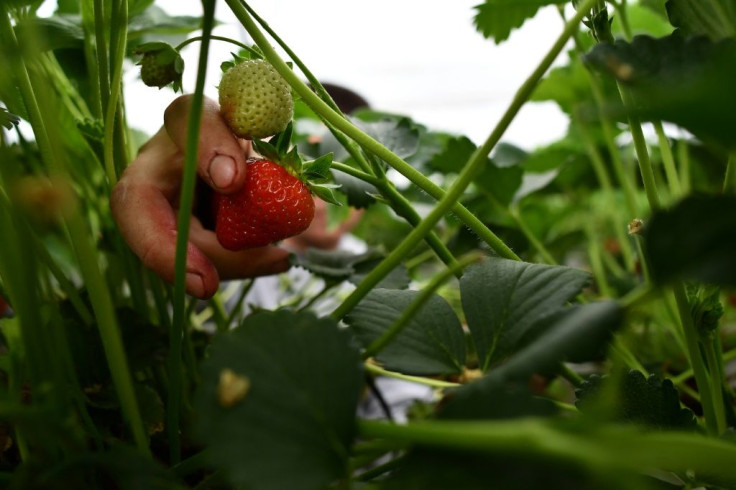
[(195, 284), (222, 171)]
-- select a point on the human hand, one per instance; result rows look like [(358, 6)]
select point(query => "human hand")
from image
[(145, 203)]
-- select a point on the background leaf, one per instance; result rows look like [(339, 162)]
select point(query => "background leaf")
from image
[(695, 239), (503, 298), (433, 342), (713, 18), (688, 82), (295, 424), (651, 401), (497, 18)]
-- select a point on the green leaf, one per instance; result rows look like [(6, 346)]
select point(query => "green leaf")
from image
[(500, 182), (508, 155), (429, 468), (318, 169), (503, 298), (334, 265), (282, 140), (359, 192), (713, 18), (651, 402), (497, 18), (694, 240), (688, 82), (453, 156), (266, 150), (325, 192), (398, 134), (8, 119), (398, 278), (155, 22), (123, 465), (284, 416), (50, 33), (432, 342), (494, 402)]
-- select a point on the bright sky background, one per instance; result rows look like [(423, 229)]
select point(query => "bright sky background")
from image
[(421, 58)]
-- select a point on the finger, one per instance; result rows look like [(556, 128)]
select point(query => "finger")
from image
[(147, 222), (221, 156), (262, 261)]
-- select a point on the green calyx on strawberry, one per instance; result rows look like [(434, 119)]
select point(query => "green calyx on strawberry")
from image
[(255, 101), (276, 201), (161, 65)]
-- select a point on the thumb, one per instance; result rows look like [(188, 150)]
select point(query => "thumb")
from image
[(221, 156)]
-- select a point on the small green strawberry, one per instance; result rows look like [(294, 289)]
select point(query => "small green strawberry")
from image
[(255, 100), (272, 205), (161, 65)]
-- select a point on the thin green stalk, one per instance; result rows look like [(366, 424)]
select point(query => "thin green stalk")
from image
[(642, 153), (358, 174), (688, 373), (596, 263), (603, 179), (219, 38), (683, 156), (668, 160), (536, 243), (86, 256), (708, 400), (627, 185), (417, 303), (434, 383), (603, 450), (369, 144), (477, 160), (182, 239), (729, 180), (103, 68), (218, 312), (111, 109), (398, 202), (239, 302), (88, 24), (316, 297), (382, 469)]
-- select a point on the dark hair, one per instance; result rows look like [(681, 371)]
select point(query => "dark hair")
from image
[(346, 99)]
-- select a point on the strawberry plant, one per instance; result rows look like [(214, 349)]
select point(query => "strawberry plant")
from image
[(568, 309)]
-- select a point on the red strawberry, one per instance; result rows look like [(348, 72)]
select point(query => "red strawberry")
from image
[(272, 205)]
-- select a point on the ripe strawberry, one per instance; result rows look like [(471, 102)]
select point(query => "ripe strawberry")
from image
[(255, 100), (272, 205)]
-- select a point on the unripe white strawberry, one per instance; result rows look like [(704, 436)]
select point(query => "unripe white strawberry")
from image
[(255, 100)]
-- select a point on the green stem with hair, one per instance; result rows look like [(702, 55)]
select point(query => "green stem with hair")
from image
[(369, 144), (186, 200), (477, 160), (417, 303)]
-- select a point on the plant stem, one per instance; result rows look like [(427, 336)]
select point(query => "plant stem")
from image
[(111, 109), (668, 160), (708, 399), (477, 160), (369, 144), (182, 239), (605, 450), (729, 180), (425, 295), (103, 69), (434, 383), (218, 38), (642, 153)]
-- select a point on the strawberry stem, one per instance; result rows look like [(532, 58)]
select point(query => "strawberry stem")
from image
[(369, 144), (174, 360)]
